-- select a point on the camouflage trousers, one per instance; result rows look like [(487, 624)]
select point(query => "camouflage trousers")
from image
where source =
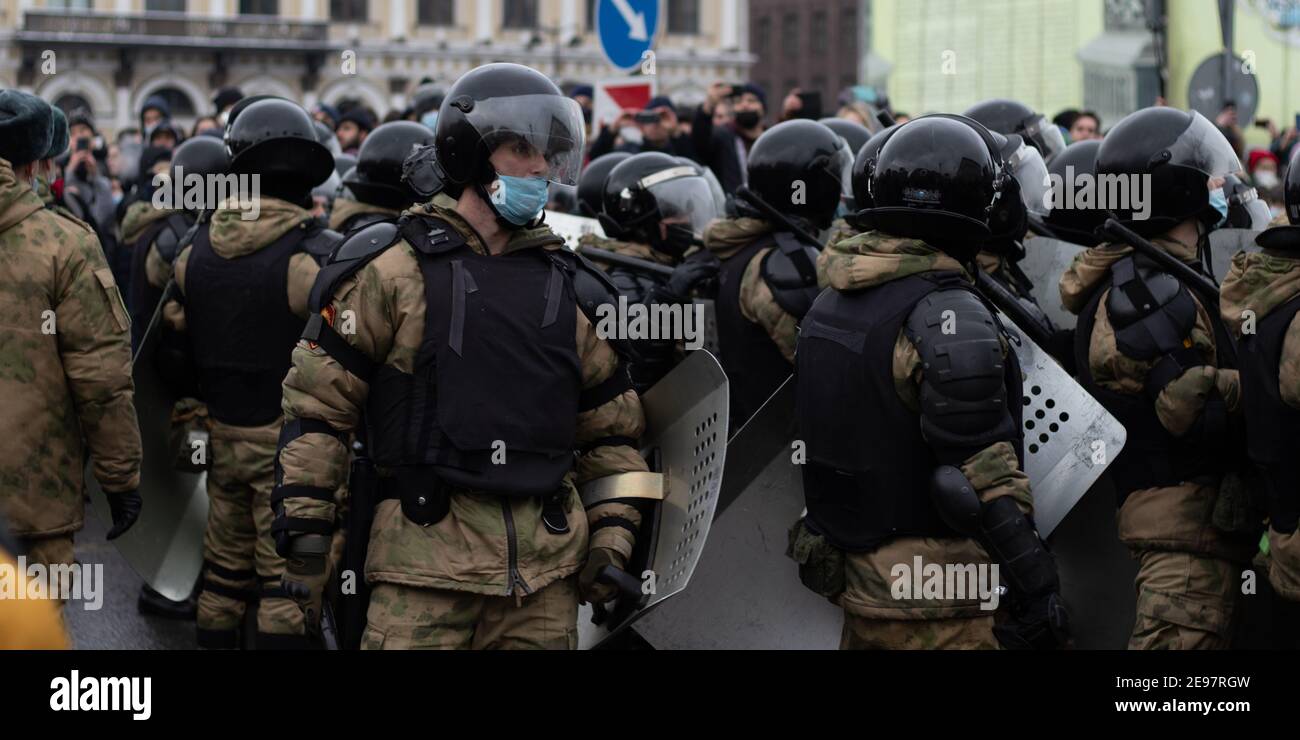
[(412, 618), (47, 551), (954, 633), (241, 566), (1185, 601)]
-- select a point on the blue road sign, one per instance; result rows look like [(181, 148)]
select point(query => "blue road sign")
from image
[(626, 29)]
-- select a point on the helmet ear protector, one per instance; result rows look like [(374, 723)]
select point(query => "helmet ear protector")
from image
[(1005, 207)]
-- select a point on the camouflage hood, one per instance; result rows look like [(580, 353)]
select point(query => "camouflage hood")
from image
[(875, 258), (17, 201), (346, 208), (728, 236), (1258, 282), (232, 236), (1091, 267), (137, 218)]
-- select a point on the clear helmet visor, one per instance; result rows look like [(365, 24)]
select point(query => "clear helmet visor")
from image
[(1046, 136), (547, 127), (1027, 166), (1203, 147), (686, 201)]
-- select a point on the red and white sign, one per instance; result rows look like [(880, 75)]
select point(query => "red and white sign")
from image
[(616, 95)]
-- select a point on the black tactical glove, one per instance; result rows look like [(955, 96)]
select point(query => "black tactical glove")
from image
[(1039, 620), (589, 588), (125, 508), (1037, 623), (683, 281), (306, 574)]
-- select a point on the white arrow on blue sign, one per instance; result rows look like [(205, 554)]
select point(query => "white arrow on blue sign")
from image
[(627, 29)]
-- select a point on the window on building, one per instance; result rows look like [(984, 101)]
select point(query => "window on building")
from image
[(817, 33), (353, 11), (684, 16), (259, 7), (763, 35), (70, 102), (848, 28), (519, 14), (68, 4), (180, 104), (591, 16), (436, 12), (790, 33), (173, 6)]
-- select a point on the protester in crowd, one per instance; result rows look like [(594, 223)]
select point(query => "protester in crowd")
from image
[(725, 149)]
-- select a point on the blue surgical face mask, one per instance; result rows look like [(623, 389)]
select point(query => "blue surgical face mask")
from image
[(1219, 202), (430, 119), (519, 200)]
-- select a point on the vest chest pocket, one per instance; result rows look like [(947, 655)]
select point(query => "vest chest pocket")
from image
[(114, 298)]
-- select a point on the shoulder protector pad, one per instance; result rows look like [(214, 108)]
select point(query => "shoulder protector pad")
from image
[(320, 242), (963, 387), (1151, 311), (167, 242), (593, 289), (351, 255), (633, 284), (428, 235), (790, 271)]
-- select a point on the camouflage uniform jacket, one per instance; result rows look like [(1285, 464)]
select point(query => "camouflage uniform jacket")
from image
[(65, 372), (872, 259), (346, 208), (1261, 282), (469, 549), (757, 304), (1164, 518)]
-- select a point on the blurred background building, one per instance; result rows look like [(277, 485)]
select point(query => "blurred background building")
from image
[(112, 54)]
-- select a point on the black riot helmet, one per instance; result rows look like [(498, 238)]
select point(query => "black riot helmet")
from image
[(377, 178), (427, 97), (201, 155), (1288, 236), (854, 134), (343, 164), (276, 139), (591, 185), (862, 168), (1009, 117), (1071, 220), (654, 199), (941, 179), (507, 104), (715, 187), (1164, 158), (1246, 210), (801, 169)]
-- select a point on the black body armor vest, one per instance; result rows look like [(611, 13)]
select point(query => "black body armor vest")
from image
[(866, 480), (242, 332), (1272, 425)]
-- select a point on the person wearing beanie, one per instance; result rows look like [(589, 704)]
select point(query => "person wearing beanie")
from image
[(725, 150), (326, 114), (75, 399), (154, 111), (225, 99), (353, 129)]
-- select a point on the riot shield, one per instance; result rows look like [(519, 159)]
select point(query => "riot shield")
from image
[(685, 440), (571, 228), (165, 547), (1046, 259), (1224, 245), (746, 594)]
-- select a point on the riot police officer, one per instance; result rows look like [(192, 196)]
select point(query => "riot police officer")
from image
[(1260, 302), (1078, 225), (657, 207), (1011, 117), (798, 171), (474, 371), (244, 285), (376, 182), (1155, 354), (912, 428), (166, 231)]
